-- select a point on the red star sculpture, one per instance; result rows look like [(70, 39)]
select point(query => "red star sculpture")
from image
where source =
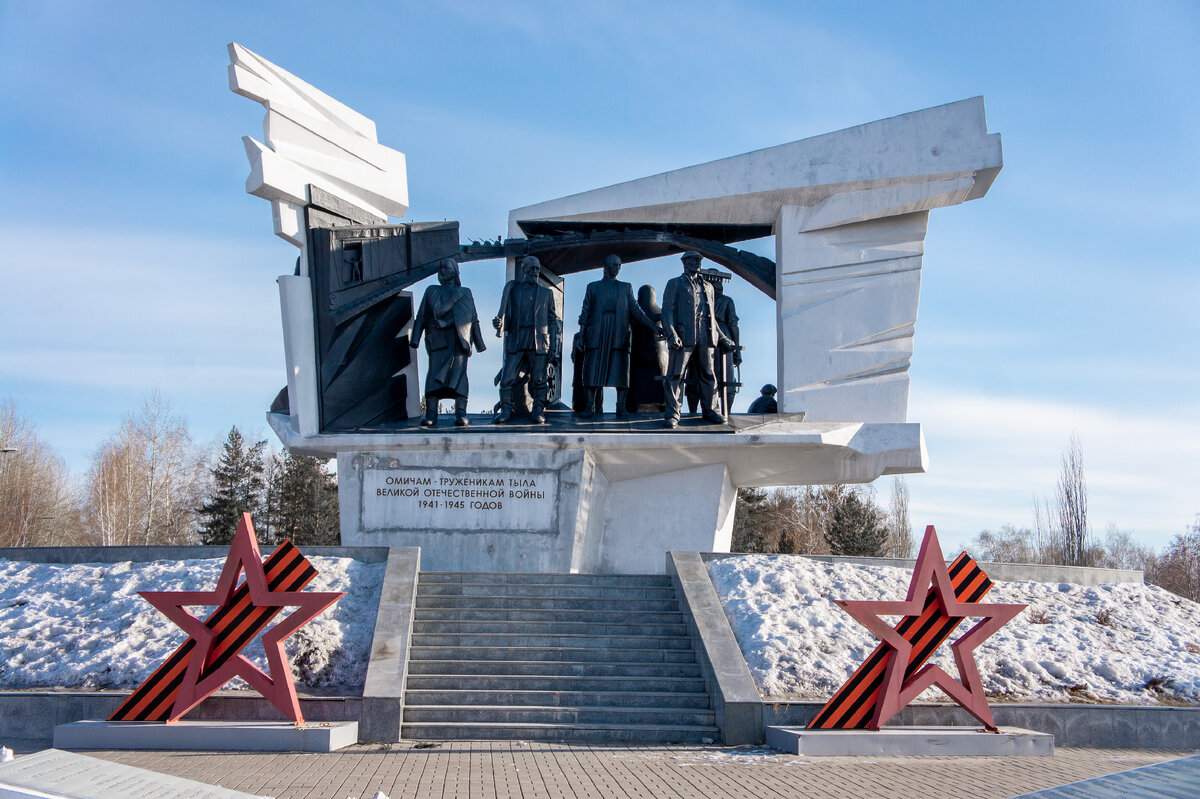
[(216, 659), (930, 573)]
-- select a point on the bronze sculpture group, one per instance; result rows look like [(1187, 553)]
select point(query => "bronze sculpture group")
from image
[(646, 352)]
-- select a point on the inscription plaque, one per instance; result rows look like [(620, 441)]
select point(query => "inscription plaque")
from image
[(427, 498)]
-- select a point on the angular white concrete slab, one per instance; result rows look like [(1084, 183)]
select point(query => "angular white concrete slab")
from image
[(849, 212), (53, 774), (312, 139), (213, 736), (911, 742)]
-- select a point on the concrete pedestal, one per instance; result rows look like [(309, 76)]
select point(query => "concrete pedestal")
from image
[(216, 736), (911, 742), (606, 498)]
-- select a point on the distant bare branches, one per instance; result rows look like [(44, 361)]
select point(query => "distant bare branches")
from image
[(1071, 506), (1178, 568), (37, 504), (900, 533), (145, 482)]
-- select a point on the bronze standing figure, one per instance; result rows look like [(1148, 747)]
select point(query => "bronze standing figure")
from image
[(690, 323), (450, 324), (648, 364), (528, 322), (606, 332), (730, 352)]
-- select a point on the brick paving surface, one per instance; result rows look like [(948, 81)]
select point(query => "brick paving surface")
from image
[(520, 770)]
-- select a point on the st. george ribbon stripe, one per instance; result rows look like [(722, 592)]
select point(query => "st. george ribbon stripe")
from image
[(853, 705), (226, 649), (154, 698)]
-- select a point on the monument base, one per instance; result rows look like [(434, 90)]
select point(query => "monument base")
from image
[(600, 497), (911, 742), (212, 736)]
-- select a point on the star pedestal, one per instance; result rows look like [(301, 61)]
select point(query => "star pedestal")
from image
[(911, 742), (207, 736)]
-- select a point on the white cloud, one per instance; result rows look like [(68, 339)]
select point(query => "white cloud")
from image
[(990, 455)]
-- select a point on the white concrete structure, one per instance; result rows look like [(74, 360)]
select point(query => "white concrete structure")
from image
[(608, 503), (912, 742), (312, 139), (208, 735), (849, 212)]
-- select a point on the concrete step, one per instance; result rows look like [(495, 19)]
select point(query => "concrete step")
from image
[(558, 615), (555, 590), (557, 697), (576, 654), (612, 604), (623, 733), (559, 682), (647, 580), (552, 668), (574, 641), (522, 714), (458, 627)]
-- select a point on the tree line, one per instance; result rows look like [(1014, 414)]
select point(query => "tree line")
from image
[(150, 483), (843, 520), (823, 520)]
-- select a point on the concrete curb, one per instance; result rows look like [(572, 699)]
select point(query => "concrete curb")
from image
[(1089, 726), (1005, 572), (387, 668), (145, 554), (727, 677), (35, 714)]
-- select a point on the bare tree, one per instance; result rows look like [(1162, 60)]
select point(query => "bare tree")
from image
[(1071, 506), (900, 533), (1008, 545), (146, 481), (37, 503), (788, 520), (1121, 551), (1178, 568), (1060, 529)]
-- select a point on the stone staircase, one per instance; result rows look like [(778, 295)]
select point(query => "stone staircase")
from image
[(578, 657)]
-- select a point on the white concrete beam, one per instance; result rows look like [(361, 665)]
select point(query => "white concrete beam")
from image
[(313, 139), (947, 145)]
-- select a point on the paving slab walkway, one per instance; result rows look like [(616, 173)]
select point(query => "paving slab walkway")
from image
[(517, 770)]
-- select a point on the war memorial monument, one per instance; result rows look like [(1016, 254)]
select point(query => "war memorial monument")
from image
[(543, 567), (539, 487)]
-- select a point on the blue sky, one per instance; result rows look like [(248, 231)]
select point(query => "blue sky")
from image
[(1065, 300)]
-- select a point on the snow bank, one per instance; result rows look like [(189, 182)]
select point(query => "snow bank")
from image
[(1112, 643), (84, 625)]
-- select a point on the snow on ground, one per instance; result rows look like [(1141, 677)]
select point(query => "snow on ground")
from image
[(800, 645), (84, 625)]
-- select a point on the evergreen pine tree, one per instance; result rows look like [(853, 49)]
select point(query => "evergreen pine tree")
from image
[(749, 521), (856, 527), (237, 489), (304, 496)]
